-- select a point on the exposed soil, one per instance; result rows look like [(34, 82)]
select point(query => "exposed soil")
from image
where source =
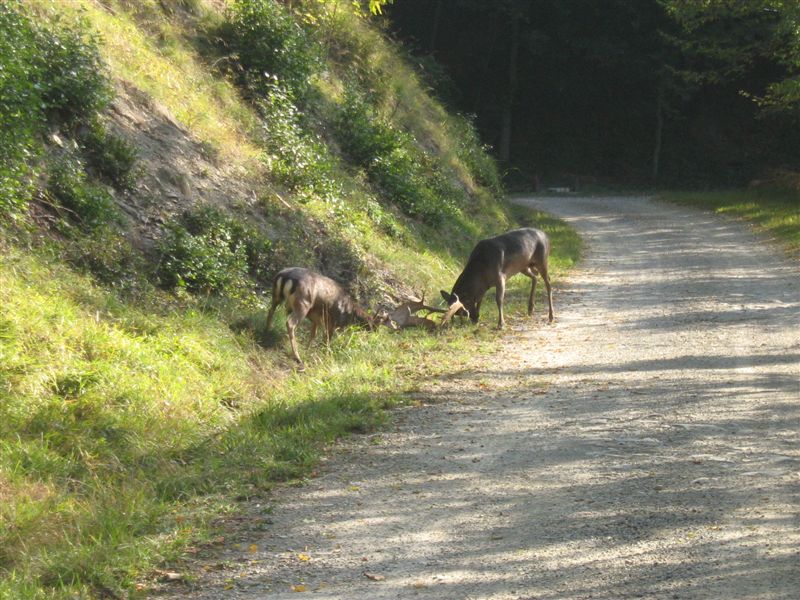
[(645, 445)]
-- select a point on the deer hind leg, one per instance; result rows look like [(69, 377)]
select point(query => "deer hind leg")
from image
[(313, 333), (500, 294), (532, 298), (276, 300), (292, 322), (546, 279)]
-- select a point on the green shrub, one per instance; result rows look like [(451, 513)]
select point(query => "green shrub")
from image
[(50, 76), (207, 252), (406, 175), (88, 203), (296, 158), (111, 157), (75, 84), (269, 44), (20, 107), (110, 258), (475, 155)]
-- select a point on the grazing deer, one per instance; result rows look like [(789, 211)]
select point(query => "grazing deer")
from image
[(493, 261), (320, 298)]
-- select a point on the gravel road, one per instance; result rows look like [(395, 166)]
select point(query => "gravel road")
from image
[(646, 445)]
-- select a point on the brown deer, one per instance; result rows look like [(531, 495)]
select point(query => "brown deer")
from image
[(496, 259), (309, 294)]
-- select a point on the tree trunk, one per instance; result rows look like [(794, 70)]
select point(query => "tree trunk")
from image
[(437, 18), (659, 131), (506, 119)]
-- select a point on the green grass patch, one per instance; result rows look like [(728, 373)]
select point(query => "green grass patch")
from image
[(772, 211)]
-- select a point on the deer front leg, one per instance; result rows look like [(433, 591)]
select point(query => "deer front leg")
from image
[(500, 294)]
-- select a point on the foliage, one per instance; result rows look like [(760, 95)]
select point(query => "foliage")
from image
[(88, 203), (609, 90), (393, 161), (295, 157), (208, 252), (727, 39), (109, 156), (269, 45), (50, 76)]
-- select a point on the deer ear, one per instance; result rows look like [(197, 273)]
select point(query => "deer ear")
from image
[(447, 297)]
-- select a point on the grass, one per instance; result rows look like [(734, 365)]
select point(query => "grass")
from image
[(775, 212), (127, 426), (131, 418)]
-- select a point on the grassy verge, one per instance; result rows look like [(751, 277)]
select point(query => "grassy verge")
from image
[(773, 212)]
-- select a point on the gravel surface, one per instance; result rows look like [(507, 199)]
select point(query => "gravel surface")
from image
[(646, 445)]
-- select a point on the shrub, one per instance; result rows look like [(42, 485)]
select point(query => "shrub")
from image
[(75, 85), (49, 76), (88, 203), (296, 159), (111, 157), (207, 252), (475, 155), (20, 107), (269, 44), (406, 175)]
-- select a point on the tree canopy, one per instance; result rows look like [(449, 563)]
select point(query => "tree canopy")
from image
[(672, 91)]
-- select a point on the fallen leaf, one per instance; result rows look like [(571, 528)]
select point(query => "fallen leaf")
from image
[(299, 588), (252, 548), (374, 577), (303, 557)]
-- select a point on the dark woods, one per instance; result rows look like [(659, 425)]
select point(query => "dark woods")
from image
[(571, 92)]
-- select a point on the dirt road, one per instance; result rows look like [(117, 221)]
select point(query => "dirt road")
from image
[(646, 445)]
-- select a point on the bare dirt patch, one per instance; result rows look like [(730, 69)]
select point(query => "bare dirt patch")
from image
[(645, 445)]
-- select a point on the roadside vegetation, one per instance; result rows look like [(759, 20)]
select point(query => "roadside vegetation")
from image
[(775, 211), (140, 395)]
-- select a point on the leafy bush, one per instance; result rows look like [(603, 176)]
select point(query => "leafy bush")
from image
[(296, 159), (207, 252), (110, 258), (393, 161), (269, 44), (88, 203), (111, 157), (475, 155), (49, 76), (20, 106), (75, 84)]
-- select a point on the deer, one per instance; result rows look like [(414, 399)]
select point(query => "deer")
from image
[(492, 262), (307, 294)]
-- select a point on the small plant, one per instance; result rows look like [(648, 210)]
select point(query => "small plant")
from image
[(111, 157), (75, 83), (88, 203), (50, 75), (296, 158)]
